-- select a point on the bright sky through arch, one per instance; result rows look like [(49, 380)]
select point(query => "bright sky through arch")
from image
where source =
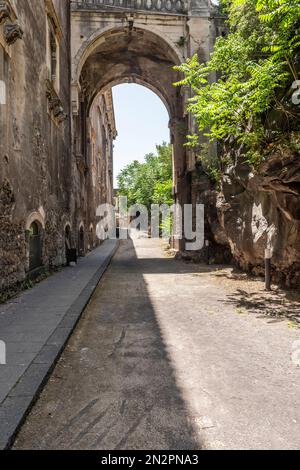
[(142, 122)]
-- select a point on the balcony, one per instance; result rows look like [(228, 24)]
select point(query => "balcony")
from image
[(177, 7)]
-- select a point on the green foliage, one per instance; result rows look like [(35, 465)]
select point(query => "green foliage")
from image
[(162, 193), (166, 226), (210, 163), (283, 16), (150, 182), (251, 65)]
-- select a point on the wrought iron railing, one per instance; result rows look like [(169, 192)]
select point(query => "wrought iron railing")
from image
[(160, 6)]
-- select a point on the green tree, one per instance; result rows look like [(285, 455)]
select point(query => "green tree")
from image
[(253, 66), (149, 182)]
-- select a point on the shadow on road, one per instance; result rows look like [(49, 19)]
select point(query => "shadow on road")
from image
[(277, 305), (115, 386)]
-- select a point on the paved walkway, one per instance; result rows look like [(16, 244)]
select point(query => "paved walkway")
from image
[(163, 359), (35, 327)]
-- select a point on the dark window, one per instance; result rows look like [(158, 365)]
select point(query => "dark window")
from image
[(35, 246), (68, 237), (81, 242), (53, 57)]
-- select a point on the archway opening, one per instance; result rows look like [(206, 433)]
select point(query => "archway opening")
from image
[(142, 123), (131, 55), (81, 242), (35, 246), (124, 55)]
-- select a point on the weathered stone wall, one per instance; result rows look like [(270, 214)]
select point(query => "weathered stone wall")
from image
[(140, 42), (13, 243), (99, 179), (260, 209), (48, 172), (35, 158)]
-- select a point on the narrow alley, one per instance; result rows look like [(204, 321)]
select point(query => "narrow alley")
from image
[(176, 122), (164, 358)]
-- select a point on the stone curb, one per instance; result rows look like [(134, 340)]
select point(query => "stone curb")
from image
[(19, 402)]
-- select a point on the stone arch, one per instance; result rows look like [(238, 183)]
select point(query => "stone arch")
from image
[(91, 236), (139, 55), (66, 224), (81, 239), (70, 253), (98, 37), (35, 245), (35, 216), (136, 54), (68, 234), (137, 81), (34, 241)]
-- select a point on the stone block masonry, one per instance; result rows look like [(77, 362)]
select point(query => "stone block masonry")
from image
[(58, 63), (48, 193)]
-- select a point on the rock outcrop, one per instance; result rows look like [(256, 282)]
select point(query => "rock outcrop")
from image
[(260, 209)]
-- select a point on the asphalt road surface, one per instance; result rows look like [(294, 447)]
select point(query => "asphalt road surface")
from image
[(162, 360)]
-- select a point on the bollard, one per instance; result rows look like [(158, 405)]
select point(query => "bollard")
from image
[(268, 257), (2, 353), (207, 251)]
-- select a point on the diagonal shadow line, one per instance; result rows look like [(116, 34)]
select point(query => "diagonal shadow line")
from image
[(139, 372)]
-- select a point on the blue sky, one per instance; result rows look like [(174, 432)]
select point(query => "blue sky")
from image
[(142, 122)]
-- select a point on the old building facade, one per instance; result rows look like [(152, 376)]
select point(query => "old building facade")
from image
[(97, 186), (141, 41), (58, 63), (47, 192)]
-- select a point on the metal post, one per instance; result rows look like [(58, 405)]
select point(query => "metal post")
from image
[(207, 251), (268, 257)]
